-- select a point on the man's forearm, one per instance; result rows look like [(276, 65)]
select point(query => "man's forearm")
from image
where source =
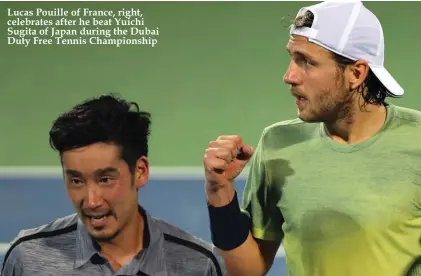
[(230, 229), (245, 260)]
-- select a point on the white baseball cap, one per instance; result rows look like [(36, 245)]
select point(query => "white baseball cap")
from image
[(350, 30)]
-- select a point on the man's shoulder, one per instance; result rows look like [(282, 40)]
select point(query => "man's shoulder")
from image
[(32, 241), (57, 227), (174, 234), (292, 125), (408, 114), (191, 244), (35, 236), (288, 132)]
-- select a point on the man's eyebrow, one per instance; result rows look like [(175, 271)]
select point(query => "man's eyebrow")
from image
[(106, 171), (73, 173), (300, 54)]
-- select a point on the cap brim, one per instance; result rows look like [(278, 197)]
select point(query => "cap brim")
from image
[(388, 81)]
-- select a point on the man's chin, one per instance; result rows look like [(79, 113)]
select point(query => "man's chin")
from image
[(308, 118), (303, 116), (102, 235)]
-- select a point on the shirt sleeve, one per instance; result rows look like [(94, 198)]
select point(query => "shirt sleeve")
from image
[(261, 198)]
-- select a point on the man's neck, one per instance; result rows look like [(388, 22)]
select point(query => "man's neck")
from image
[(127, 244), (360, 124)]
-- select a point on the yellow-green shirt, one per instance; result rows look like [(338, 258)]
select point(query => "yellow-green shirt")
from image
[(341, 210)]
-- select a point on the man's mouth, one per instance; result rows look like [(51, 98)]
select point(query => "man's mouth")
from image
[(300, 100), (298, 96), (98, 221), (98, 218)]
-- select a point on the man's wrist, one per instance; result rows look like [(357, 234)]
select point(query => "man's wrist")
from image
[(229, 226), (220, 197)]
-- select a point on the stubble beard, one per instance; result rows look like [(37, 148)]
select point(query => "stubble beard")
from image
[(333, 105)]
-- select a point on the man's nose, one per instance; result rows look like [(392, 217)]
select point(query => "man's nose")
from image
[(292, 74), (94, 195)]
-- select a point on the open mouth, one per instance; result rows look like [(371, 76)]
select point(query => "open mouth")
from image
[(300, 99), (98, 218)]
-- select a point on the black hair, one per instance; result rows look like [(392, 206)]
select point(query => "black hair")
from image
[(376, 91), (107, 119)]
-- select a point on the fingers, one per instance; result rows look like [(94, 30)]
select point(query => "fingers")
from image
[(223, 151), (217, 160), (237, 140), (218, 157), (227, 146)]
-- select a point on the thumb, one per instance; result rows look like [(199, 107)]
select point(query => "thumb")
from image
[(239, 163), (245, 153)]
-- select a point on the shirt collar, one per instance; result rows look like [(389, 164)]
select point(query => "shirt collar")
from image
[(86, 247), (150, 260)]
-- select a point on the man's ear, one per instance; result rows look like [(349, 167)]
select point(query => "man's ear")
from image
[(357, 73), (141, 172)]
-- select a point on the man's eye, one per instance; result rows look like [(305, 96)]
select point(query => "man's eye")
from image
[(105, 180), (76, 181), (305, 62)]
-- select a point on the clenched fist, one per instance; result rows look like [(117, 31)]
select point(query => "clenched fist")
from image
[(224, 160)]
